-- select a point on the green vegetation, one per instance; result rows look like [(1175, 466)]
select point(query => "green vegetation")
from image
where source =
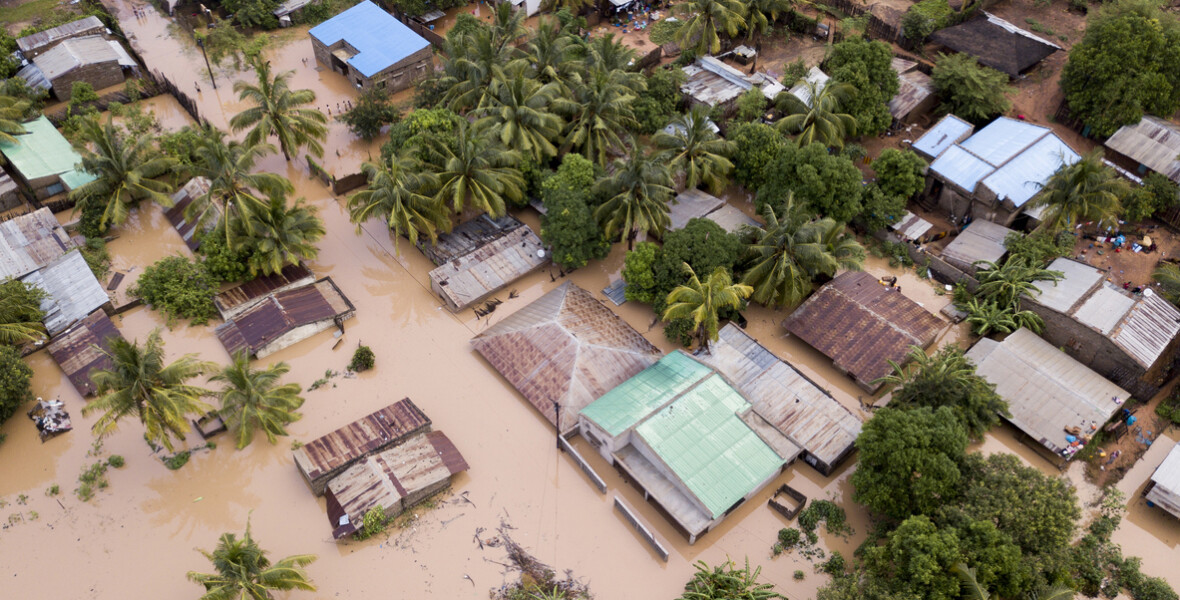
[(242, 569), (91, 479), (97, 257), (15, 376), (180, 288), (362, 360), (926, 17), (662, 32), (1169, 408), (824, 119), (115, 461), (968, 89), (824, 183), (1157, 194), (253, 399), (695, 153), (947, 378), (726, 581), (788, 538), (1087, 190), (568, 226), (372, 111), (20, 312), (374, 522), (1040, 247), (867, 67), (702, 302), (125, 170), (279, 111), (637, 195), (995, 306)]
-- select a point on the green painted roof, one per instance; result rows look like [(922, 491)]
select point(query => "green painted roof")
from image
[(629, 402), (43, 152)]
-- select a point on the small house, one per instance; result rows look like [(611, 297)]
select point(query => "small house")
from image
[(372, 49), (468, 279), (466, 237), (82, 348), (44, 160), (996, 43), (911, 227), (285, 318), (697, 204), (915, 96), (233, 301), (714, 83), (814, 76), (32, 46), (71, 291), (9, 193), (948, 131), (92, 59), (980, 241), (31, 241), (189, 226), (1152, 144), (1165, 483)]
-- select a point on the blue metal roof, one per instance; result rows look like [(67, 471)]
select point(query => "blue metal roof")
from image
[(961, 168), (1023, 177), (379, 39), (1002, 139), (943, 135)]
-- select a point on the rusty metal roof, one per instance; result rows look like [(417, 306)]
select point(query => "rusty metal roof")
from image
[(1152, 142), (181, 200), (913, 88), (261, 324), (79, 349), (466, 237), (235, 300), (473, 276), (29, 242), (37, 42), (565, 347), (861, 325)]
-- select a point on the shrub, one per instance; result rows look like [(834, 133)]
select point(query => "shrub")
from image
[(177, 460), (371, 112), (53, 490), (14, 382), (96, 256), (116, 461), (969, 89), (222, 263), (751, 105), (362, 360), (799, 575), (374, 522), (655, 108), (1169, 408), (179, 288)]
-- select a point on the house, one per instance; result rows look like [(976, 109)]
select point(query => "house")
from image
[(327, 456), (10, 197), (732, 219), (285, 318), (948, 131), (31, 241), (285, 10), (372, 49), (696, 204), (92, 59), (862, 325), (814, 76), (233, 301), (786, 401), (911, 226), (72, 291), (714, 83), (563, 351), (1152, 144), (468, 279), (980, 241), (466, 237), (994, 173), (393, 480), (44, 161), (82, 348), (915, 92), (1047, 391), (676, 429), (188, 226), (996, 43), (1165, 483), (32, 46), (1127, 338)]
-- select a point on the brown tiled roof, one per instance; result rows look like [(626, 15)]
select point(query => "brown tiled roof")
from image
[(565, 347), (861, 325), (279, 313), (75, 351)]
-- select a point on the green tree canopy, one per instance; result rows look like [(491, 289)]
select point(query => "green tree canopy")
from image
[(968, 89), (900, 172), (703, 301), (568, 226), (637, 195), (20, 312), (245, 573), (403, 195), (15, 376), (947, 379), (707, 21), (828, 184), (868, 67), (656, 107), (916, 560), (125, 170), (253, 399), (372, 111), (756, 146), (823, 118), (279, 111), (1087, 190)]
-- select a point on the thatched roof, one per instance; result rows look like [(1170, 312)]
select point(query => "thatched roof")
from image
[(997, 44)]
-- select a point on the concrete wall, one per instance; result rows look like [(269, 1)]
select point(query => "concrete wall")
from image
[(397, 77), (298, 335), (99, 76)]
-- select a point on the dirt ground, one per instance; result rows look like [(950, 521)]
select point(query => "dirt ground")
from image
[(1106, 467), (1126, 266)]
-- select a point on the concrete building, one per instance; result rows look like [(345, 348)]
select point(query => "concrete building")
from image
[(44, 161), (996, 43), (1165, 483), (948, 131), (468, 279), (286, 318), (92, 59), (372, 49), (714, 83)]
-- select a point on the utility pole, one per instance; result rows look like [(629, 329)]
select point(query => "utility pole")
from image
[(557, 411), (201, 43)]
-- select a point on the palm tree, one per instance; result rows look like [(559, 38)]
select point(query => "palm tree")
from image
[(244, 572), (791, 252), (20, 312), (609, 53), (702, 302), (973, 590), (1168, 275), (706, 21), (574, 6), (475, 61), (279, 235), (235, 189), (986, 316), (405, 194), (139, 384), (762, 14), (1087, 190), (638, 191), (278, 111), (477, 172), (1006, 284), (600, 112), (551, 52), (946, 378), (820, 119), (253, 399), (12, 114), (517, 112), (696, 151), (507, 25), (124, 171)]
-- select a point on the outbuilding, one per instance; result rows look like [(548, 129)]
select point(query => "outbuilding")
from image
[(90, 59), (1165, 483), (286, 318)]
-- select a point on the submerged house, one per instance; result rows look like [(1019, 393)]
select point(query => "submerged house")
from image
[(996, 43), (1165, 483), (696, 204), (71, 291), (468, 279), (285, 318), (564, 351), (713, 83), (44, 160), (31, 241), (678, 430), (980, 241), (1127, 338), (249, 293), (1152, 144), (92, 59), (188, 226), (1047, 391), (862, 325), (372, 49), (82, 348)]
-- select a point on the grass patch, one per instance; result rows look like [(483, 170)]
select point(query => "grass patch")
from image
[(28, 11), (662, 32), (1037, 27)]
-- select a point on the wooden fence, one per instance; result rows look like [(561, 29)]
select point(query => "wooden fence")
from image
[(186, 102)]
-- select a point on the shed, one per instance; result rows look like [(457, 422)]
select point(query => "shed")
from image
[(286, 318), (33, 76), (689, 205), (466, 237), (980, 241), (31, 241), (478, 274), (1152, 143), (35, 44), (948, 131), (996, 43), (795, 406), (815, 76), (85, 59), (677, 430), (712, 82), (393, 480), (187, 225), (372, 49), (72, 291), (1165, 483), (564, 349), (915, 92), (289, 7), (911, 226), (862, 325), (326, 457), (233, 301), (45, 160), (1047, 391), (81, 349)]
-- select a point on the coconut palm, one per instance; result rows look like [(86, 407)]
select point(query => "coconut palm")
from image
[(278, 235), (1168, 276), (20, 312), (551, 52), (609, 53), (702, 302), (244, 572), (574, 6), (507, 25), (1087, 190), (820, 119), (252, 399), (946, 378), (235, 189), (988, 316), (973, 590), (475, 60), (696, 152), (279, 111), (404, 196), (517, 112), (637, 191), (1006, 284), (12, 114), (124, 169), (139, 384), (761, 15), (476, 172), (705, 21), (599, 112)]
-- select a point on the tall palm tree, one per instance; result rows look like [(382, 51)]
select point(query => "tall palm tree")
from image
[(477, 172), (611, 54), (702, 302), (124, 169), (517, 112), (236, 191), (973, 590), (20, 312), (946, 378), (279, 235), (638, 191), (600, 112), (1087, 190), (761, 15), (475, 59), (404, 195), (696, 151), (507, 25), (253, 399), (12, 114), (1168, 275), (279, 111), (551, 52), (705, 21), (244, 572), (139, 384), (820, 119)]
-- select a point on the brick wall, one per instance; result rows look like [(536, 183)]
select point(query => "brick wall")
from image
[(99, 76)]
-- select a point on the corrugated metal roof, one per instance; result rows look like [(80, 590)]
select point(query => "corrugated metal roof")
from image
[(1077, 281), (961, 168), (815, 76), (713, 82), (1103, 309), (470, 278), (1022, 177), (380, 40), (41, 152), (75, 53), (80, 349), (125, 59), (913, 88), (1166, 491), (29, 242), (1150, 325), (466, 237), (33, 76), (1003, 139), (947, 132), (911, 226), (181, 200), (237, 299), (981, 240), (732, 219), (84, 26), (691, 204), (263, 323), (565, 348), (7, 185), (1046, 389), (629, 402), (72, 291), (289, 7), (1152, 142)]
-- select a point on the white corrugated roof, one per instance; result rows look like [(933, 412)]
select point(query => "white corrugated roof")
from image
[(1022, 177), (72, 291), (1003, 139), (1166, 492), (74, 53), (961, 168), (1148, 328), (946, 132), (1104, 309), (1078, 278), (816, 76)]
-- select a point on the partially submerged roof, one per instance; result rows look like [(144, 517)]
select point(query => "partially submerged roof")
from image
[(981, 240), (256, 327), (996, 43), (80, 349), (1046, 389), (691, 204), (565, 348), (862, 325), (472, 277), (72, 291), (713, 82), (1166, 479), (379, 39), (911, 226), (466, 237), (85, 26), (42, 152), (237, 299), (76, 53), (947, 132), (29, 242), (1153, 143), (181, 200)]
